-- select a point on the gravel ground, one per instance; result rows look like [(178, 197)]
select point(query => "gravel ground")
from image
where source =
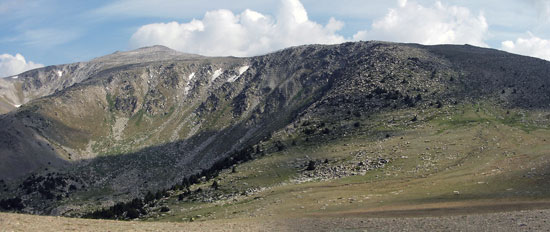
[(534, 220), (531, 220)]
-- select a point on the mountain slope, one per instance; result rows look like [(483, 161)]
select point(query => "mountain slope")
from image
[(20, 89), (139, 124)]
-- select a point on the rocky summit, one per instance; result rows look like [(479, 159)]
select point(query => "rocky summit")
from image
[(121, 129)]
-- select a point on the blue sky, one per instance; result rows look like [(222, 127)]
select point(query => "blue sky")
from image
[(47, 32)]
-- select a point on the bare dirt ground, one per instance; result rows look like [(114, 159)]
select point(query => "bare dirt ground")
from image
[(442, 209), (526, 220)]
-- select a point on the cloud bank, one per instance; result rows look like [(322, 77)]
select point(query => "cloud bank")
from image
[(221, 32), (12, 65), (438, 24), (249, 33), (531, 46)]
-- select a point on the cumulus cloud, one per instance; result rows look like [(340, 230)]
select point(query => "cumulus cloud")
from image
[(402, 3), (12, 65), (175, 9), (437, 24), (222, 32), (531, 46)]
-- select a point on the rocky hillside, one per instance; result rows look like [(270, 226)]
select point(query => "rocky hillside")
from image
[(142, 120), (20, 89)]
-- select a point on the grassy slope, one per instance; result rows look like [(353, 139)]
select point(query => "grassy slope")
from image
[(458, 156)]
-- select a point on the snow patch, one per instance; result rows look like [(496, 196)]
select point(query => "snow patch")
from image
[(216, 74), (59, 73), (14, 77), (232, 78), (188, 85), (17, 106), (241, 71)]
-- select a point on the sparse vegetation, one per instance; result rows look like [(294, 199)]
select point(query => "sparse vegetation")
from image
[(130, 210), (371, 125), (11, 204)]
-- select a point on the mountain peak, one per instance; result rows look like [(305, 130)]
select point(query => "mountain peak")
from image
[(144, 54), (148, 50), (156, 48)]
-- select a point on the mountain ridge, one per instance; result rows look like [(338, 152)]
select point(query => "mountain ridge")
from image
[(19, 89), (141, 126)]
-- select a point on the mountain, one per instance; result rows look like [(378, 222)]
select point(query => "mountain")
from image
[(131, 122), (20, 89)]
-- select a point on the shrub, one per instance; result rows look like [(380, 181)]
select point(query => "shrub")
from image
[(438, 104), (121, 210), (309, 131), (132, 213), (408, 101), (12, 204), (311, 165), (149, 197), (280, 146), (159, 195)]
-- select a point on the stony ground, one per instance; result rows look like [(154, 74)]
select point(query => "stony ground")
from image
[(530, 220)]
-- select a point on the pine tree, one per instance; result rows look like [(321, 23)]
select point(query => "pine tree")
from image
[(311, 165)]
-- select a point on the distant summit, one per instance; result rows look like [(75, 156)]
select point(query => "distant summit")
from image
[(36, 83), (145, 54), (155, 48)]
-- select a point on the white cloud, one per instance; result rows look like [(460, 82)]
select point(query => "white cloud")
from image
[(222, 32), (11, 65), (44, 37), (532, 46), (437, 24), (175, 9), (402, 3), (48, 37)]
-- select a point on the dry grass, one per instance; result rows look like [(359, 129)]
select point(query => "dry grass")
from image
[(533, 220)]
